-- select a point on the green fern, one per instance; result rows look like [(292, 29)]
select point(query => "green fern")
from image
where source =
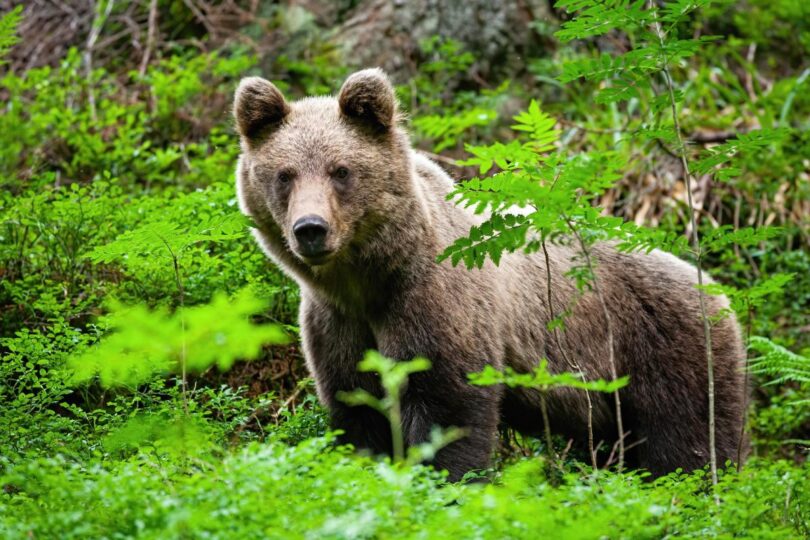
[(746, 143), (8, 31), (169, 238), (538, 192), (779, 364), (543, 380)]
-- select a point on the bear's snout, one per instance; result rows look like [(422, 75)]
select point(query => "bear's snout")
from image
[(310, 234)]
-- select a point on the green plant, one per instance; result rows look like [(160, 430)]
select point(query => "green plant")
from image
[(8, 29), (782, 366), (393, 377), (274, 490), (442, 113), (142, 343), (542, 380)]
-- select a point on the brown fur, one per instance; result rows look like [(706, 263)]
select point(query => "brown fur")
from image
[(380, 288)]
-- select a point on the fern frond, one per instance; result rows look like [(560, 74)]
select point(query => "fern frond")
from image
[(8, 28), (778, 363)]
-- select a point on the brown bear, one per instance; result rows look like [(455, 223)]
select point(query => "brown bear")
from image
[(346, 207)]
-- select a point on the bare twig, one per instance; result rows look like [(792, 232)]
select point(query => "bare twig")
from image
[(574, 365), (695, 243), (150, 37), (746, 382), (441, 158), (609, 327), (181, 301), (601, 131), (749, 80), (547, 428), (564, 453), (95, 30), (201, 17)]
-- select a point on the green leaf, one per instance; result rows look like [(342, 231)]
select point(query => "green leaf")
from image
[(142, 344), (543, 380), (8, 28), (778, 362)]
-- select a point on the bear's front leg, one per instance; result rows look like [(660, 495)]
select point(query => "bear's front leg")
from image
[(333, 345), (436, 399), (443, 396)]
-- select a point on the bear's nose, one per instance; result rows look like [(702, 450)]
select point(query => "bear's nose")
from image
[(310, 231)]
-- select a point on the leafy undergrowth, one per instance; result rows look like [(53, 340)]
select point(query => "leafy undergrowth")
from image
[(273, 490)]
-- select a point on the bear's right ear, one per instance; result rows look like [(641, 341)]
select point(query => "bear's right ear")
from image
[(258, 104)]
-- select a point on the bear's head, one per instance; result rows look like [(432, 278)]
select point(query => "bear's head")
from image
[(321, 173)]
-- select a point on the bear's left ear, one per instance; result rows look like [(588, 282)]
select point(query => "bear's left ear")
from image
[(367, 97)]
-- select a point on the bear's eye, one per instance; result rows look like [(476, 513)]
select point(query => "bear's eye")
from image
[(341, 173), (285, 177)]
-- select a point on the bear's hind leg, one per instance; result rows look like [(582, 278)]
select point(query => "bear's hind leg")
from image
[(668, 408)]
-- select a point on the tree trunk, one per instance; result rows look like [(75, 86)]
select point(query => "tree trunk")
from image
[(387, 33)]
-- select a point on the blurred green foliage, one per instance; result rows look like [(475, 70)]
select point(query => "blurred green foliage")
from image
[(141, 343)]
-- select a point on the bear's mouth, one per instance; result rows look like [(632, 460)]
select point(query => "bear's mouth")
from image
[(316, 259)]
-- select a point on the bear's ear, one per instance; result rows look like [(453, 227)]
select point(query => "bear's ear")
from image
[(258, 104), (367, 97)]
